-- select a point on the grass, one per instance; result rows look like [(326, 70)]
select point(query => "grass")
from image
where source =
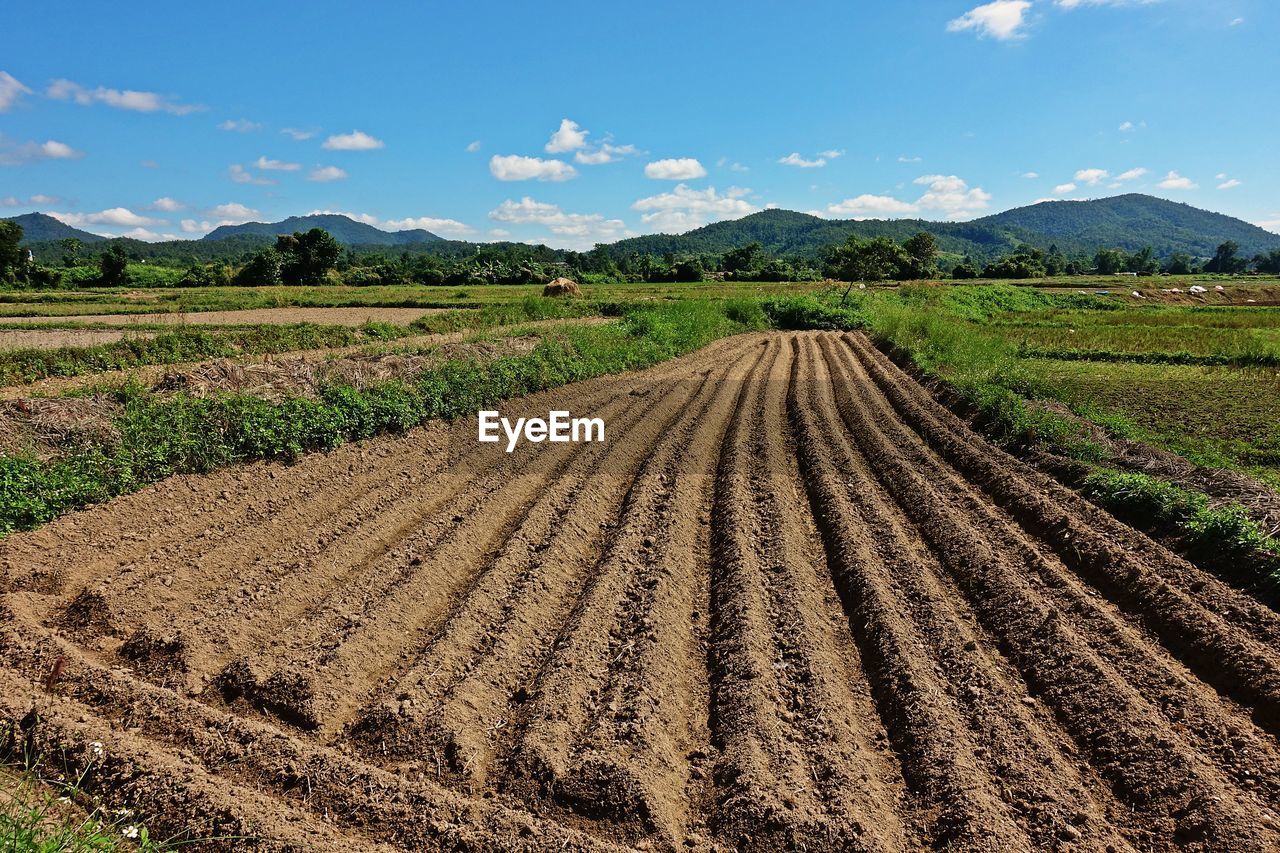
[(165, 434), (184, 344), (44, 816)]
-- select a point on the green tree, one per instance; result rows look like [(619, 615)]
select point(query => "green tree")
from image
[(263, 269), (743, 259), (1143, 262), (1226, 259), (1054, 261), (72, 251), (689, 269), (1111, 261), (965, 270), (1180, 263), (920, 257), (1023, 262), (307, 258), (113, 267), (12, 256)]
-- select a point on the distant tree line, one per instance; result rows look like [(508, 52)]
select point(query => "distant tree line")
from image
[(315, 257)]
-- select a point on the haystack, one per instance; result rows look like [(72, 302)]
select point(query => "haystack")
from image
[(562, 287)]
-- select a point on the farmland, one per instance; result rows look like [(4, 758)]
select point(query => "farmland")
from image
[(792, 601)]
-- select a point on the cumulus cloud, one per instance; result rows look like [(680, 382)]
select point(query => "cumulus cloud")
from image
[(794, 159), (324, 174), (1229, 183), (241, 175), (356, 140), (1235, 22), (952, 196), (18, 153), (578, 229), (433, 224), (1132, 174), (121, 99), (297, 134), (120, 216), (869, 206), (1063, 189), (903, 158), (606, 153), (568, 137), (473, 147), (675, 169), (1174, 181), (230, 213), (239, 125), (1001, 19), (832, 153), (1075, 4), (268, 165), (683, 208), (10, 91), (1092, 176), (515, 167), (169, 205)]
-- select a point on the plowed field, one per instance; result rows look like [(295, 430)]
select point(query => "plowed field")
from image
[(790, 603)]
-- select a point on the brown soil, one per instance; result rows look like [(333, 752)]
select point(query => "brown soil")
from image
[(278, 316), (14, 339), (791, 603)]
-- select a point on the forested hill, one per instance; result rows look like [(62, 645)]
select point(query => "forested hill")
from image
[(40, 227), (1130, 222), (343, 228)]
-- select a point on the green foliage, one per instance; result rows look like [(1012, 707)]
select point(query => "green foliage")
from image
[(307, 258), (263, 270), (113, 267)]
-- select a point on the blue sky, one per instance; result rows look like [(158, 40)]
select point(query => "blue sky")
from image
[(571, 123)]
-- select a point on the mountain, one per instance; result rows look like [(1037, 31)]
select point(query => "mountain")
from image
[(343, 228), (1076, 227), (40, 227), (1133, 221)]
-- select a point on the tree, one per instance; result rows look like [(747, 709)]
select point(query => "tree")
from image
[(1054, 262), (13, 257), (263, 269), (965, 270), (1023, 262), (1225, 260), (743, 259), (1180, 263), (920, 256), (72, 247), (1269, 263), (307, 258), (1143, 262), (688, 270), (114, 267), (1111, 261)]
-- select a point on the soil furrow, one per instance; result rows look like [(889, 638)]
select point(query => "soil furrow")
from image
[(1178, 792)]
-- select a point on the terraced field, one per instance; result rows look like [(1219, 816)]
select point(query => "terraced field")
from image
[(790, 603)]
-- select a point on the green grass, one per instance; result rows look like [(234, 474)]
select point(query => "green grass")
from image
[(165, 434), (42, 816), (184, 344)]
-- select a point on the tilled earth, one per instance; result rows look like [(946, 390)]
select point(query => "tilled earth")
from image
[(790, 603)]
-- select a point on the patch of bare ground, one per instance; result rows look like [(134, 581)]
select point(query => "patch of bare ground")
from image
[(245, 317), (16, 339), (792, 602)]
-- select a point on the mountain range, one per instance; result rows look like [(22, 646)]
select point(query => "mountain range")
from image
[(1128, 222)]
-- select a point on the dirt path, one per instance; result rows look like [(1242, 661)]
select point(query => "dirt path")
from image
[(14, 339), (790, 603)]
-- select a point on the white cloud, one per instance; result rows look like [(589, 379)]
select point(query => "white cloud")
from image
[(268, 165), (233, 210), (121, 99), (121, 216), (1092, 176), (1030, 175), (473, 147), (1131, 175), (499, 233), (1125, 127), (147, 235), (682, 208), (832, 153), (738, 167), (903, 158), (675, 169), (324, 174), (581, 229), (1235, 22), (606, 153), (1272, 224), (10, 201), (1075, 4), (1174, 181), (169, 205), (868, 206), (296, 134), (794, 159), (241, 175), (356, 140), (568, 137), (18, 153), (952, 196), (41, 198), (429, 223), (1063, 189), (515, 167), (1001, 19), (239, 125), (1229, 184), (10, 91), (231, 213)]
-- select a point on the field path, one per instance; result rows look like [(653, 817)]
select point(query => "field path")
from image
[(791, 602)]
